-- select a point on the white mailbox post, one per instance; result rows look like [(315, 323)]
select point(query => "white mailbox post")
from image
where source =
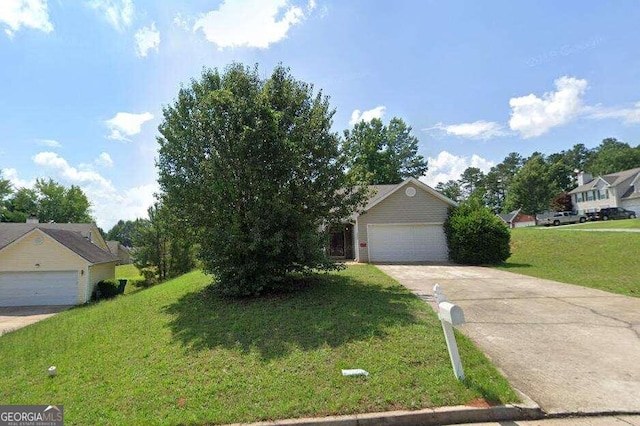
[(450, 315)]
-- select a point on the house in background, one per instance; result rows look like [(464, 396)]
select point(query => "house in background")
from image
[(51, 263), (400, 223), (517, 219), (620, 189), (119, 251)]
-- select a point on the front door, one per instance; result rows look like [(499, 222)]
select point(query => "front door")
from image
[(336, 247)]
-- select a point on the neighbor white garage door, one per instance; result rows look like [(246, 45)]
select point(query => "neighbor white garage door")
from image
[(38, 288), (406, 243)]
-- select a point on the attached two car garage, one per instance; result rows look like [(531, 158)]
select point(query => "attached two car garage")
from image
[(51, 264), (39, 288), (402, 223), (406, 243)]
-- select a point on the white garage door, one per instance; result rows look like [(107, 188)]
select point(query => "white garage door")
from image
[(38, 288), (632, 205), (406, 243)]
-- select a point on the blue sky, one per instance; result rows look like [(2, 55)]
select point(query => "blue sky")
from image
[(84, 81)]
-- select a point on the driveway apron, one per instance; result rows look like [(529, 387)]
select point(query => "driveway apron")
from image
[(569, 348), (13, 318)]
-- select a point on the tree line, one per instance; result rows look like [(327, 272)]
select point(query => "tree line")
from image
[(539, 182), (48, 200), (252, 177)]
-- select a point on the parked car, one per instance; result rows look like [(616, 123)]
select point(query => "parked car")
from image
[(561, 218), (615, 213)]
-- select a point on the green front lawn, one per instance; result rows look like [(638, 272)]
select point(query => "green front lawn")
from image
[(130, 273), (603, 260), (177, 354), (608, 224)]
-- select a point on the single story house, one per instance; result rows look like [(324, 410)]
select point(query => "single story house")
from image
[(119, 251), (517, 219), (621, 189), (400, 223), (51, 263)]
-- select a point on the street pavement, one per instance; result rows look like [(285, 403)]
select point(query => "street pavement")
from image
[(576, 421), (570, 349)]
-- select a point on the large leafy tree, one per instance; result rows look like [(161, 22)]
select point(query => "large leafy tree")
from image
[(472, 183), (22, 204), (253, 167), (450, 189), (380, 154), (50, 202), (565, 164), (498, 181), (162, 243), (56, 203), (613, 156), (123, 231), (5, 190), (532, 188)]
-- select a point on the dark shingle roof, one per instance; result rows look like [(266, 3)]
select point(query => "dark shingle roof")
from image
[(378, 192), (80, 245), (508, 217)]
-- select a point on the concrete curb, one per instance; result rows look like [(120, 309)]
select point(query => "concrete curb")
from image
[(426, 417)]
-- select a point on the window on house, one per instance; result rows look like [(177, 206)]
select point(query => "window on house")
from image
[(591, 195), (580, 197), (603, 194)]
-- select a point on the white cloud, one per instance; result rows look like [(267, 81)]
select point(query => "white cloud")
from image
[(447, 166), (108, 204), (104, 160), (53, 161), (250, 23), (125, 124), (477, 130), (128, 204), (533, 116), (25, 13), (51, 143), (358, 116), (12, 176), (119, 13), (628, 115), (147, 38)]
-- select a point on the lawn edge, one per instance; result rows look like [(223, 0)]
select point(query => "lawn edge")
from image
[(428, 416)]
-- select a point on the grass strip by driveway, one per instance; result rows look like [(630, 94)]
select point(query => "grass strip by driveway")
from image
[(177, 354), (610, 224), (604, 260)]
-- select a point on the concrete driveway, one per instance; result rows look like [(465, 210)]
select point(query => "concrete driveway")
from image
[(13, 318), (570, 349)]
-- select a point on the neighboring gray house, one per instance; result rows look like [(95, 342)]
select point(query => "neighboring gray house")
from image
[(620, 189), (400, 223), (119, 251)]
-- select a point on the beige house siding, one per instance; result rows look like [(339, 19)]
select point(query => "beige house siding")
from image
[(38, 252), (96, 238), (399, 208), (103, 271)]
